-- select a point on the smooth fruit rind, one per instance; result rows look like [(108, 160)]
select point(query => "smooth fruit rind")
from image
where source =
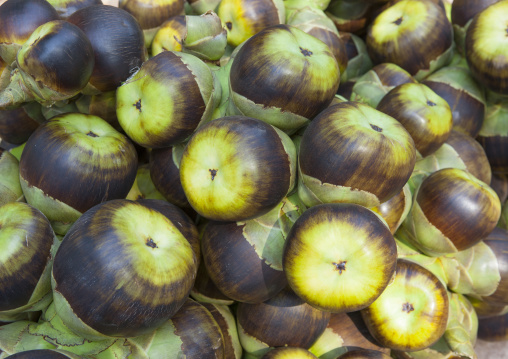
[(330, 274), (418, 294)]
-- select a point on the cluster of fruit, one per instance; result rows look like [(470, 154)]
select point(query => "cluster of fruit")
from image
[(253, 179)]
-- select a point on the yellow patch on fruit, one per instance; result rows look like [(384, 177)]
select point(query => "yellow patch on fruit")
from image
[(215, 179), (403, 16), (160, 253)]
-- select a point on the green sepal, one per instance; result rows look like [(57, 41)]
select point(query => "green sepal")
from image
[(16, 93), (329, 345), (201, 6), (313, 192), (16, 337), (358, 65), (221, 74), (143, 186), (162, 343), (53, 209), (439, 350), (473, 271), (423, 235), (206, 38), (251, 344), (462, 327), (406, 251), (461, 79), (267, 233), (441, 61), (444, 157), (53, 329), (10, 188), (369, 89), (495, 120), (283, 120)]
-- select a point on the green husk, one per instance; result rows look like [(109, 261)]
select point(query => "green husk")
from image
[(143, 186), (441, 61), (16, 337), (313, 192), (10, 187), (474, 271), (358, 65), (444, 157), (16, 92), (406, 251), (206, 37), (440, 350), (462, 327), (268, 233), (201, 6)]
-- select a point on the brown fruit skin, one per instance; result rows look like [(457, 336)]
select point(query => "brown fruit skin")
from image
[(199, 332), (284, 320), (16, 125), (465, 10), (499, 183), (258, 144), (414, 51), (453, 203), (91, 291), (417, 116), (364, 354), (489, 70), (496, 148), (269, 86), (493, 329), (335, 43), (234, 266), (165, 175), (323, 150), (18, 286), (19, 18), (392, 210), (467, 112), (62, 59), (497, 240), (152, 14), (226, 329), (71, 6), (117, 41), (205, 287), (391, 75), (437, 314), (44, 165), (473, 155)]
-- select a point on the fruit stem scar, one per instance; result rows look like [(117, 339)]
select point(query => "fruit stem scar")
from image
[(91, 134), (229, 25), (150, 243), (398, 21), (213, 172), (341, 266), (138, 105), (407, 307), (305, 52), (376, 128), (430, 103)]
